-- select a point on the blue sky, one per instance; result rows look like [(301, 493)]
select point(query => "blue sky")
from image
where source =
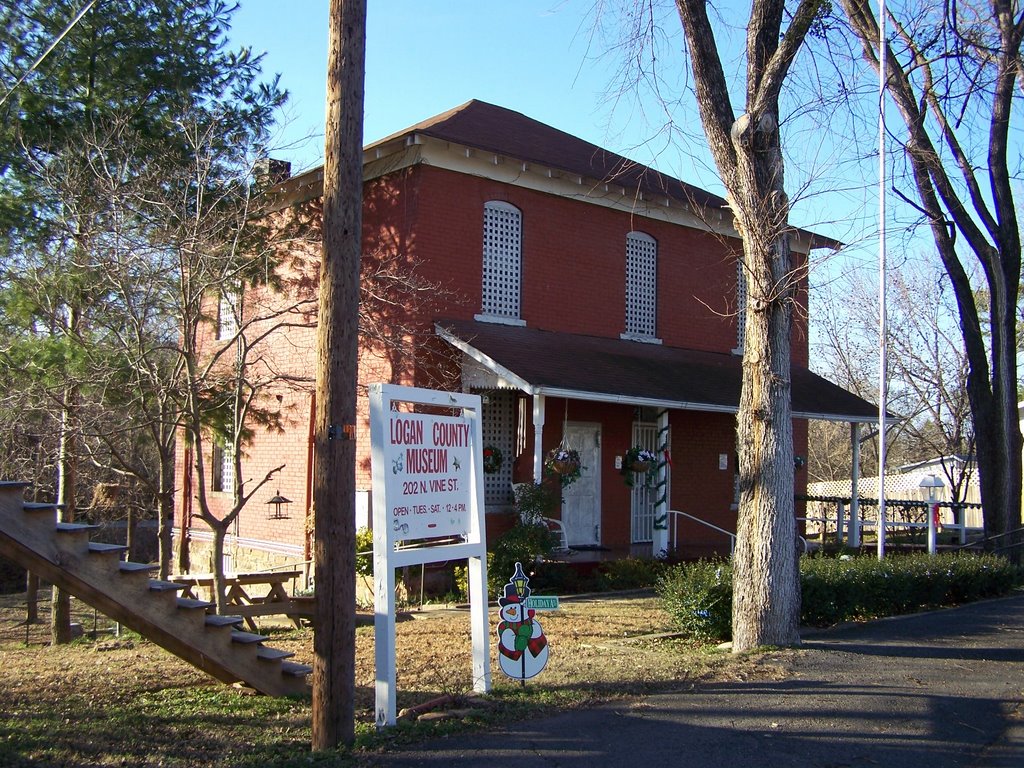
[(534, 56), (544, 59)]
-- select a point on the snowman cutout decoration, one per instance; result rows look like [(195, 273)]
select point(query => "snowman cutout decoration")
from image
[(522, 646)]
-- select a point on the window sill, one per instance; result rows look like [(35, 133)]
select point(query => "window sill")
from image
[(498, 320), (641, 339)]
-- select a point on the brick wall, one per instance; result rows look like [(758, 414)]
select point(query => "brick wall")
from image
[(428, 222)]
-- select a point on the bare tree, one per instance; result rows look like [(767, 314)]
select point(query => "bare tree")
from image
[(927, 363), (953, 73), (748, 154)]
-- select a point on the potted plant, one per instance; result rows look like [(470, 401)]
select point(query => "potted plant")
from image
[(492, 459), (564, 462), (640, 461)]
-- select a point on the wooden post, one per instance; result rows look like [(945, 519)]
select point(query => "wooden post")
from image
[(333, 718)]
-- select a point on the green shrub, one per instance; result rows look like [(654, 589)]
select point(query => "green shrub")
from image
[(364, 552), (698, 597), (629, 573), (520, 544)]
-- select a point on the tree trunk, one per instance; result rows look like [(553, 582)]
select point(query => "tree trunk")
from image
[(184, 561), (165, 503), (217, 567), (766, 579), (67, 468), (31, 598), (333, 718), (748, 154)]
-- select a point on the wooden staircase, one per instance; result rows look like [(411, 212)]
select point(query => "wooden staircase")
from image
[(62, 554)]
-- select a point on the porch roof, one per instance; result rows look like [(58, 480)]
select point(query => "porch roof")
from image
[(621, 371)]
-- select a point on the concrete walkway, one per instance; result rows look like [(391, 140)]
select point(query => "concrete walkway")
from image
[(933, 690)]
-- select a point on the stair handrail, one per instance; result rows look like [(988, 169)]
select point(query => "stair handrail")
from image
[(986, 539), (730, 534)]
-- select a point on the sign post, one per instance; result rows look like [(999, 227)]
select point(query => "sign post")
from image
[(427, 485)]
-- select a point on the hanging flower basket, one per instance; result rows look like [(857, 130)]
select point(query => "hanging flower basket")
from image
[(564, 462), (492, 459), (638, 461)]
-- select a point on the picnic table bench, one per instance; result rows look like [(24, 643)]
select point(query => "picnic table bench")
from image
[(248, 594)]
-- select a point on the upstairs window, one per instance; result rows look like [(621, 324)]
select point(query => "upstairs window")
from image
[(222, 479), (227, 313), (741, 306), (502, 267), (641, 286)]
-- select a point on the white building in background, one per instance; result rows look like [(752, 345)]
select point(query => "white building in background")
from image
[(904, 484)]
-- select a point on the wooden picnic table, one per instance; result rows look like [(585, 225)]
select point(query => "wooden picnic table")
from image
[(248, 594)]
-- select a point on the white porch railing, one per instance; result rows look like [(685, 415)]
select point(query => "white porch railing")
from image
[(675, 514)]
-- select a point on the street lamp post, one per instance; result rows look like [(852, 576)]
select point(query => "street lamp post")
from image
[(932, 483)]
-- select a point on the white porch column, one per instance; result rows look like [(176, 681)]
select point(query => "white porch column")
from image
[(659, 540), (538, 438), (854, 492)]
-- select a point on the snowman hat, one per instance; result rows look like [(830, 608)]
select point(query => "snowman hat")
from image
[(511, 596)]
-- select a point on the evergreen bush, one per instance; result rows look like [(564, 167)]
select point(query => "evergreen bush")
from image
[(698, 596)]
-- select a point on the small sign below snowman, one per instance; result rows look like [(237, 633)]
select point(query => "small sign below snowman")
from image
[(522, 646)]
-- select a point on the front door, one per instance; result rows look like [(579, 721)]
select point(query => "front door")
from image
[(581, 505)]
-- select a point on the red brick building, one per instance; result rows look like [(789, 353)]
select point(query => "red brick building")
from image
[(590, 300)]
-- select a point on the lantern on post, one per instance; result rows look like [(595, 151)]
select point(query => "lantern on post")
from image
[(932, 483), (280, 506)]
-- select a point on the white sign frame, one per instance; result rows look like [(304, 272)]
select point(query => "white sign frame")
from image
[(387, 557)]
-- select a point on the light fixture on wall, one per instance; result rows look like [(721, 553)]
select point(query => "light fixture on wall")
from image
[(280, 506)]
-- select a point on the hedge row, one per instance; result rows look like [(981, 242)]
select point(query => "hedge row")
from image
[(698, 596)]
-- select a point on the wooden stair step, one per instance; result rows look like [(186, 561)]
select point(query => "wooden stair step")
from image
[(191, 603), (217, 620), (247, 638), (39, 506), (294, 669), (75, 527), (130, 567), (272, 654), (106, 549), (156, 585)]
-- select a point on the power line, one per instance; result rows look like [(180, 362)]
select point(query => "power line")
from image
[(54, 44)]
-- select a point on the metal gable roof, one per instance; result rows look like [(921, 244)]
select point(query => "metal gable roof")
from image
[(614, 370)]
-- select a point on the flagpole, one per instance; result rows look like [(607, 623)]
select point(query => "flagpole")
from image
[(883, 358)]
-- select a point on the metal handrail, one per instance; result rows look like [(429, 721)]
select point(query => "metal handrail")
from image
[(1008, 547), (730, 534)]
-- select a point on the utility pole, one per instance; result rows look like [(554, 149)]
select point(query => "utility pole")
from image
[(337, 365)]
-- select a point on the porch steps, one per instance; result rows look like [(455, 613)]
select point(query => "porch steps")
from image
[(62, 554)]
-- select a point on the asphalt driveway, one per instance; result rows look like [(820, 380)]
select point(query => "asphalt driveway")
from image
[(932, 690)]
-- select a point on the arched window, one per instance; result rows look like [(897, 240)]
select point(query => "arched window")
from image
[(641, 285), (502, 266)]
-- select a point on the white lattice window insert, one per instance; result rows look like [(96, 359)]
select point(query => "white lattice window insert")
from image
[(222, 478), (641, 284), (498, 427), (503, 256), (741, 306), (227, 314)]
